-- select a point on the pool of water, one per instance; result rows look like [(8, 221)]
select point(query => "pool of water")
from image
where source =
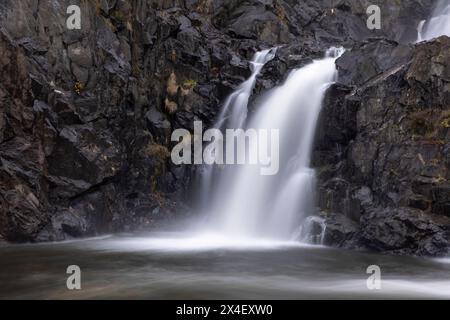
[(179, 266)]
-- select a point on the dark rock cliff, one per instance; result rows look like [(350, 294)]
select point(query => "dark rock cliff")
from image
[(86, 115), (383, 157)]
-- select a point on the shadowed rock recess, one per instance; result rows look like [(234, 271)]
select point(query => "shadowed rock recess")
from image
[(86, 115)]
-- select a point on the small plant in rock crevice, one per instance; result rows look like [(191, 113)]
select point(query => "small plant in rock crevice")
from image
[(189, 84), (78, 87)]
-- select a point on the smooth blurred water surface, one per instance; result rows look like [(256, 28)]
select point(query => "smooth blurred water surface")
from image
[(178, 266)]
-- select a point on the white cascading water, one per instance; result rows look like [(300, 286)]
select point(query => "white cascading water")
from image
[(241, 202), (233, 116), (438, 24)]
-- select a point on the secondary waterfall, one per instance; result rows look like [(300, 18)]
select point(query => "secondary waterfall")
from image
[(239, 201), (438, 24)]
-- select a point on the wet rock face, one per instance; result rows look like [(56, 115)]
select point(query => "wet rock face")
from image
[(86, 115), (397, 149)]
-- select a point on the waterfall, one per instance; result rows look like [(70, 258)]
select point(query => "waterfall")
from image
[(438, 24), (233, 115), (240, 202), (312, 230), (234, 112)]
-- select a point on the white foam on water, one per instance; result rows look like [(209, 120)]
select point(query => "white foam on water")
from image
[(442, 260), (196, 242), (390, 288)]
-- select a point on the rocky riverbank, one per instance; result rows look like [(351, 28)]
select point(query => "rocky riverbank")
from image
[(383, 150)]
